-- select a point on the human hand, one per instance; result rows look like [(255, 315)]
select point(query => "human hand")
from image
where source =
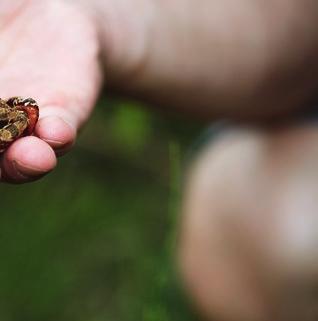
[(49, 51)]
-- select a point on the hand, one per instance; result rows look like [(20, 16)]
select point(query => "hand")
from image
[(49, 51)]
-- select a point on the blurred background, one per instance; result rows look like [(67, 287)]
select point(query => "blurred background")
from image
[(94, 240)]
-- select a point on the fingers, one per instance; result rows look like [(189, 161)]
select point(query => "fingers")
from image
[(53, 58), (27, 159), (30, 158), (56, 131)]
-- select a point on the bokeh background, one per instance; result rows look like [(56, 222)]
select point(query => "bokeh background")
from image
[(95, 239)]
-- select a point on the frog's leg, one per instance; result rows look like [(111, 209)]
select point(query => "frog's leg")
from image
[(4, 119), (14, 101), (21, 102), (28, 105), (11, 132)]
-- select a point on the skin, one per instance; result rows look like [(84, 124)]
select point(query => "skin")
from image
[(248, 242), (249, 60)]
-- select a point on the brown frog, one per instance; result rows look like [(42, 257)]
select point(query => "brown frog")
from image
[(18, 117)]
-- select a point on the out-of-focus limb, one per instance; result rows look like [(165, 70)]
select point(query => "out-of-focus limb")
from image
[(242, 58), (248, 245)]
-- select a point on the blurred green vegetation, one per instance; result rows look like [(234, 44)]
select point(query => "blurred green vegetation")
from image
[(95, 239)]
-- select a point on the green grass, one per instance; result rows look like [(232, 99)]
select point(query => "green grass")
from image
[(95, 240)]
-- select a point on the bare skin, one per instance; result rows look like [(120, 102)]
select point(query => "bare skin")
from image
[(248, 247), (215, 58)]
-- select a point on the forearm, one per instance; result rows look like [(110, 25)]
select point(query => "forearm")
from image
[(212, 57), (225, 56)]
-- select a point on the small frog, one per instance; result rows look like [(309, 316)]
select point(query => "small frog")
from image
[(18, 117)]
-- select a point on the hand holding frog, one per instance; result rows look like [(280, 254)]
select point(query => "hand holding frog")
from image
[(48, 52)]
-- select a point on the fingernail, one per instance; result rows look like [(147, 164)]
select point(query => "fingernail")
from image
[(57, 132), (56, 144), (26, 172)]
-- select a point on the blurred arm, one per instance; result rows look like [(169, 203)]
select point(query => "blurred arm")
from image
[(213, 58)]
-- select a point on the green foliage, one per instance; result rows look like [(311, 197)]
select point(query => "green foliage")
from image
[(131, 127)]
